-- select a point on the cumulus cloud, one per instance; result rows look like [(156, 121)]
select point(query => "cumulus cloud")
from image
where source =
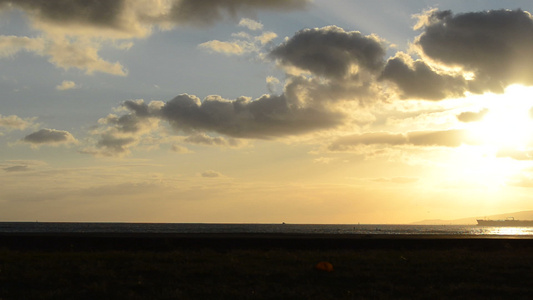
[(14, 122), (470, 116), (250, 24), (229, 48), (330, 70), (330, 51), (494, 46), (417, 80), (265, 117), (443, 138), (243, 42), (49, 137), (10, 44), (66, 85)]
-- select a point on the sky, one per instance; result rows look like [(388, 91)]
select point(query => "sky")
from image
[(253, 111)]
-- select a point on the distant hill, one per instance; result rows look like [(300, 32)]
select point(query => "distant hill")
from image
[(521, 215)]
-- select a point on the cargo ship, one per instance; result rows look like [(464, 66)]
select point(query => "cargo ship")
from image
[(509, 222)]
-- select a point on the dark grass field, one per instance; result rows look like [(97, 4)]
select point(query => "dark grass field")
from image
[(263, 267)]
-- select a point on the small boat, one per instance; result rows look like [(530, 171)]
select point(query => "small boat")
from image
[(509, 222)]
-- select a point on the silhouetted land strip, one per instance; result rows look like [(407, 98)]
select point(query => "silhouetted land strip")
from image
[(171, 241), (263, 266)]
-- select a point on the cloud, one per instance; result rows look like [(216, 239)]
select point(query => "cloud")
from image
[(180, 149), (438, 138), (243, 42), (206, 12), (16, 169), (49, 137), (228, 48), (10, 45), (265, 117), (515, 154), (20, 165), (66, 54), (250, 24), (74, 31), (330, 51), (204, 139), (417, 80), (211, 174), (470, 116), (494, 46), (115, 134), (272, 84), (115, 146), (331, 72), (14, 122), (66, 85)]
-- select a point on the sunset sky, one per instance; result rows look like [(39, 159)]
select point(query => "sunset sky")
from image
[(265, 111)]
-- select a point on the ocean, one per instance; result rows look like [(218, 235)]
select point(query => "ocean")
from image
[(366, 229)]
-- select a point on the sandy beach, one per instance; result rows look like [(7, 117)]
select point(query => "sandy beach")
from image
[(263, 266)]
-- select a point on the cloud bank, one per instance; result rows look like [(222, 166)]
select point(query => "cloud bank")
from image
[(330, 72)]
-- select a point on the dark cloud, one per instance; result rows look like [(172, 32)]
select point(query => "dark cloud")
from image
[(114, 145), (444, 138), (330, 51), (206, 12), (122, 14), (266, 117), (49, 136), (470, 116), (494, 45), (91, 12), (417, 80)]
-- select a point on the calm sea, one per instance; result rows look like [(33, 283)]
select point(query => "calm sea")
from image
[(261, 228)]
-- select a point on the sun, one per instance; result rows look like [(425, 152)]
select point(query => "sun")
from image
[(507, 123)]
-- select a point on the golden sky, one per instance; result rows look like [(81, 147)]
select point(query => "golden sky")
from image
[(265, 111)]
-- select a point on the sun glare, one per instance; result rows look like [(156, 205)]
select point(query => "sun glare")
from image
[(507, 123)]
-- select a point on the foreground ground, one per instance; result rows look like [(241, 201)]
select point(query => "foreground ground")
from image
[(411, 271)]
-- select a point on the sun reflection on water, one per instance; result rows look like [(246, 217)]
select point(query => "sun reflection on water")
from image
[(508, 230)]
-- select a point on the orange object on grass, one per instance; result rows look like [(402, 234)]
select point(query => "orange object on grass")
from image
[(324, 266)]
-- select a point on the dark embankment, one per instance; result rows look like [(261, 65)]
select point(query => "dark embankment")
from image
[(168, 242), (263, 266)]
